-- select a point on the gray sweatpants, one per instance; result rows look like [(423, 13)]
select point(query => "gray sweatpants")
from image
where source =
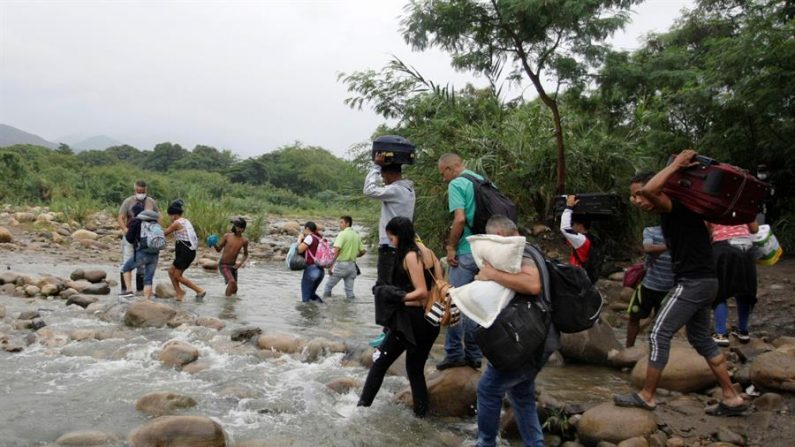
[(688, 303)]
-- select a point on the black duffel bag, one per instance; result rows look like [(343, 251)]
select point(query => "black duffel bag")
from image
[(516, 338)]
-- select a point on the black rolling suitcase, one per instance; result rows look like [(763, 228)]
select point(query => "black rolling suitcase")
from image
[(396, 150), (593, 205)]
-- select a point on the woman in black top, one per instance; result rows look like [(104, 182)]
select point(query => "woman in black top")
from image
[(412, 279)]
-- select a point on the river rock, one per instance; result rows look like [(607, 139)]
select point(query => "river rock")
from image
[(774, 370), (777, 343), (28, 315), (770, 402), (177, 353), (607, 422), (245, 333), (637, 441), (5, 236), (343, 385), (320, 346), (95, 276), (77, 275), (9, 277), (179, 431), (591, 346), (164, 290), (148, 314), (80, 285), (163, 403), (280, 342), (210, 322), (84, 235), (81, 300), (627, 357), (291, 228), (100, 288), (50, 290), (83, 334), (85, 438), (32, 291), (24, 217), (67, 293), (686, 371), (616, 276), (726, 435), (208, 264), (2, 311), (452, 392)]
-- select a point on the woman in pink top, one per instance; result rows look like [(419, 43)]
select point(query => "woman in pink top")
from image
[(736, 270)]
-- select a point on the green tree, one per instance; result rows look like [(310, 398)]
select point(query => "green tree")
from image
[(164, 157), (560, 40)]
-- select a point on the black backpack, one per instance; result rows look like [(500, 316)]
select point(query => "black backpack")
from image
[(489, 201), (575, 301), (596, 257)]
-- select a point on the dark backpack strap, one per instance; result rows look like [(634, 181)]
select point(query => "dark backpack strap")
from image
[(476, 183), (541, 264)]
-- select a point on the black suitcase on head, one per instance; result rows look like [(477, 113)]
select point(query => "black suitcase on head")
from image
[(396, 150), (592, 205)]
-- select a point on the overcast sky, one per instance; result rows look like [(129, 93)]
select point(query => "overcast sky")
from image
[(249, 76)]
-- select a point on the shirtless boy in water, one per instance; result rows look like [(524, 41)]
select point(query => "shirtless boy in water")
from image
[(231, 244)]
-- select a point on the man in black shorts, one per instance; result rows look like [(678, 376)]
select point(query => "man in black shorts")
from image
[(689, 302)]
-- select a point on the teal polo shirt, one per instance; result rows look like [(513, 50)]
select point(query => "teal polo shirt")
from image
[(461, 195)]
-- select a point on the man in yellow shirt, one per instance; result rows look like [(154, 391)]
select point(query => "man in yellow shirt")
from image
[(347, 247)]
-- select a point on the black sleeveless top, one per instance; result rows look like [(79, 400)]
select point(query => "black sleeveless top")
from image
[(402, 279)]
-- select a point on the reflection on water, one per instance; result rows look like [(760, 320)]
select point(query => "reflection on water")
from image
[(95, 384)]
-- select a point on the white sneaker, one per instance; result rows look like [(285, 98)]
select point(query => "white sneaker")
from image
[(721, 340)]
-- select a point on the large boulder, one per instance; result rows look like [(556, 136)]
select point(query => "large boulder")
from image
[(148, 314), (775, 370), (686, 371), (280, 342), (607, 422), (208, 264), (78, 284), (245, 333), (77, 275), (5, 235), (163, 403), (177, 353), (452, 392), (592, 346), (179, 431), (86, 438), (24, 217), (84, 235), (210, 322)]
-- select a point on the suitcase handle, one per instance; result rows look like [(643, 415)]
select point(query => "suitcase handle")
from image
[(703, 161)]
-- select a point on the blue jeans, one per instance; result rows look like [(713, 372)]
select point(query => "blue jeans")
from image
[(310, 281), (141, 259), (454, 349), (520, 387)]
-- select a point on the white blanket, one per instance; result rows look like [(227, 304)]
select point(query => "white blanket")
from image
[(482, 301)]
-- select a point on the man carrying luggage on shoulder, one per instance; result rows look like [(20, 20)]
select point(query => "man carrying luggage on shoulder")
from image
[(688, 303), (518, 384)]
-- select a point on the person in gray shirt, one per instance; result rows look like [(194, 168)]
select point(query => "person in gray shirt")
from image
[(386, 183), (141, 197)]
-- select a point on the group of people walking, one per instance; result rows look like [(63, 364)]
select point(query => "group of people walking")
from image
[(691, 268)]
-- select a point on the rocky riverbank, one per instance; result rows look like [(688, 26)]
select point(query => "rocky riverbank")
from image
[(764, 369)]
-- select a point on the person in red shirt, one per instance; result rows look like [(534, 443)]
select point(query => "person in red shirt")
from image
[(575, 229)]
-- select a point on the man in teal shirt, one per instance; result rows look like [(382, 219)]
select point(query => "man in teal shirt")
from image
[(347, 247), (459, 345)]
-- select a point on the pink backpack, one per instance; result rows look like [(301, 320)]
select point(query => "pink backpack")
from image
[(324, 255)]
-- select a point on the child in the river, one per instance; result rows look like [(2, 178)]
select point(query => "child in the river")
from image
[(184, 250), (231, 244)]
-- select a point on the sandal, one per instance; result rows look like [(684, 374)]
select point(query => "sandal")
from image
[(633, 401), (721, 409)]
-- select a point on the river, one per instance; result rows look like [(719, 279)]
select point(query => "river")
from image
[(93, 385)]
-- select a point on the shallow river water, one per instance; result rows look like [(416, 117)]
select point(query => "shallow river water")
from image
[(93, 385)]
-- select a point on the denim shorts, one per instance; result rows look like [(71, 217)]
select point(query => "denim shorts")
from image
[(142, 259)]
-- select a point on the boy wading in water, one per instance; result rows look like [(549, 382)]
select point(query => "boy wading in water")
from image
[(184, 251), (231, 244), (689, 302)]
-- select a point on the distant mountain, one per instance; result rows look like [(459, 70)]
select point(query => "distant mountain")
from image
[(10, 136), (98, 142)]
